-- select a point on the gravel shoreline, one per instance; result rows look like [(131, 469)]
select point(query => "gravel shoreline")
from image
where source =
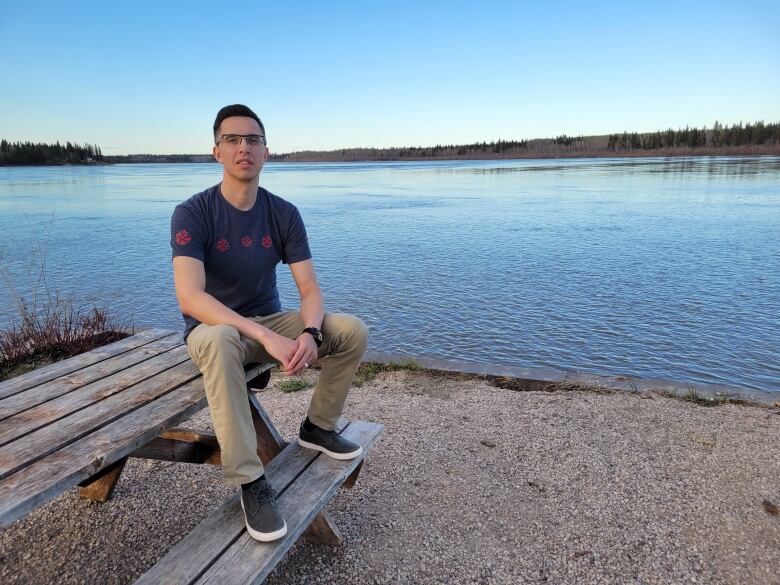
[(471, 484)]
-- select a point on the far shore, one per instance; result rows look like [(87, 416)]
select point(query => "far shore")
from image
[(333, 157)]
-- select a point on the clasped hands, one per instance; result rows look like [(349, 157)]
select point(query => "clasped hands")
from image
[(293, 354)]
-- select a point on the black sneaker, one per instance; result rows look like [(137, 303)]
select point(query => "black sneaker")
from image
[(329, 442), (263, 520)]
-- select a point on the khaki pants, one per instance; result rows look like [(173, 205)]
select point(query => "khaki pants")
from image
[(221, 352)]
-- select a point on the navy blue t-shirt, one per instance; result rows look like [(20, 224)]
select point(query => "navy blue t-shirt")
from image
[(239, 249)]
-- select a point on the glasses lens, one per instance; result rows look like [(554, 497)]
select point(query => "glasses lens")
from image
[(235, 139)]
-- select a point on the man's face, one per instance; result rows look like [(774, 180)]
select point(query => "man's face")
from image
[(242, 160)]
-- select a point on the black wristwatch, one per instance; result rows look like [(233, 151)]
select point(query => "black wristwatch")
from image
[(315, 333)]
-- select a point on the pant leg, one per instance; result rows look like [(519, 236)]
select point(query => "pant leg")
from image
[(344, 341), (220, 353)]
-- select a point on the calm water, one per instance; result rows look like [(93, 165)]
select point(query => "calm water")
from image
[(666, 268)]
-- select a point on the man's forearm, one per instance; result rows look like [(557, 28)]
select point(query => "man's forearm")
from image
[(206, 309), (313, 309)]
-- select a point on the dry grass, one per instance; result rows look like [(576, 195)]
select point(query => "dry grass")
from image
[(49, 327), (55, 332)]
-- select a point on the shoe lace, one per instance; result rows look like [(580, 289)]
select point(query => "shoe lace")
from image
[(260, 494)]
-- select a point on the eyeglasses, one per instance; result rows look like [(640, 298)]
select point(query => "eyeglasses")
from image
[(235, 139)]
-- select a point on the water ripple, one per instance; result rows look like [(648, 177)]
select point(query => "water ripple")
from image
[(662, 268)]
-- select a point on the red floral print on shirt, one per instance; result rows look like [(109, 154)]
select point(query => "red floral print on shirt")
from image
[(267, 243), (222, 245), (246, 241), (183, 237)]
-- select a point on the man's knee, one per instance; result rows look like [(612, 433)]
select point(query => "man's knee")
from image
[(213, 340), (349, 329)]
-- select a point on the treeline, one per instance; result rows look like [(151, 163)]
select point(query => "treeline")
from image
[(159, 158), (752, 138), (719, 136), (31, 153), (476, 150), (756, 138)]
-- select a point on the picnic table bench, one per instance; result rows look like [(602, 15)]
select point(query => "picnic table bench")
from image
[(76, 422)]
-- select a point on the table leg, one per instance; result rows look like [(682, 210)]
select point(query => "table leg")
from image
[(100, 486), (350, 483)]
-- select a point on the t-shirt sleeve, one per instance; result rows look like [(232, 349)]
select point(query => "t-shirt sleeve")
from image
[(187, 234), (296, 242)]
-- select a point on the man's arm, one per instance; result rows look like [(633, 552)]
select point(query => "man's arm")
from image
[(312, 313), (189, 278)]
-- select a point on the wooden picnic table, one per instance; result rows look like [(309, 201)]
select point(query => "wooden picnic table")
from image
[(80, 418), (77, 421)]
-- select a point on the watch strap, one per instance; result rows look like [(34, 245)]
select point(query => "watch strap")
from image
[(315, 333)]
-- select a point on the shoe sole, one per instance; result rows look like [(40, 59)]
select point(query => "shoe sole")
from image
[(341, 456), (263, 536)]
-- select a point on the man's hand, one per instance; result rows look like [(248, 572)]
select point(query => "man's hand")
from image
[(304, 356), (282, 348)]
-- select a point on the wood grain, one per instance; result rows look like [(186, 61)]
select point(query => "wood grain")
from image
[(48, 413), (63, 367), (75, 380), (67, 430), (46, 478), (182, 446)]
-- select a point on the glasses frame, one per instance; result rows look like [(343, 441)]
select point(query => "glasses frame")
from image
[(245, 137)]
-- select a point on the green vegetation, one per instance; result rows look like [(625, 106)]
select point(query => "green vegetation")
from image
[(292, 385), (693, 396), (369, 370), (28, 153), (719, 136), (755, 138)]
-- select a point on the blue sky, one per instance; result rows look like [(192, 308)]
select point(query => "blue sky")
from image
[(150, 76)]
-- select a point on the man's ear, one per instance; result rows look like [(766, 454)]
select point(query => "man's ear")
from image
[(266, 154), (215, 152)]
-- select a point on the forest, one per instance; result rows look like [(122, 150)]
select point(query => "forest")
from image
[(755, 138), (30, 153), (751, 138)]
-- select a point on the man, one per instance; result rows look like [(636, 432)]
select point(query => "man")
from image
[(227, 241)]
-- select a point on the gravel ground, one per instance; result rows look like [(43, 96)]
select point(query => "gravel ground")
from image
[(472, 484)]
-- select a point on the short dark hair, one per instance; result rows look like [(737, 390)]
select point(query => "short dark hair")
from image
[(235, 110)]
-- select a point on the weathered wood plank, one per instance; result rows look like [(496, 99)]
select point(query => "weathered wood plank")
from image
[(71, 428), (188, 559), (69, 365), (76, 380), (48, 413), (100, 487), (45, 479), (183, 447), (247, 561)]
